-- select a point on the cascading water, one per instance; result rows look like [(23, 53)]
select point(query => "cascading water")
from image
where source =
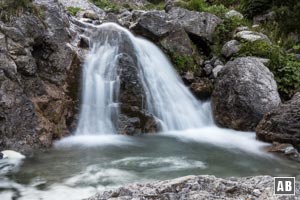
[(80, 173), (167, 98), (100, 86)]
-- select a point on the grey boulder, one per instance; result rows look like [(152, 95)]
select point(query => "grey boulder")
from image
[(245, 90)]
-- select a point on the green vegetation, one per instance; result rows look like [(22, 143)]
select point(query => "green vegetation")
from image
[(11, 8), (106, 5), (283, 61), (287, 15), (73, 10), (113, 7), (183, 62), (284, 65)]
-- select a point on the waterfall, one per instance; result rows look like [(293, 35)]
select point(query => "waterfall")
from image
[(166, 97)]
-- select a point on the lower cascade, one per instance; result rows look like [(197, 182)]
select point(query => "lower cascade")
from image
[(120, 61)]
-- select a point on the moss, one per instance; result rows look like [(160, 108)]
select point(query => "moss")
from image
[(73, 10), (107, 5), (155, 6), (183, 63)]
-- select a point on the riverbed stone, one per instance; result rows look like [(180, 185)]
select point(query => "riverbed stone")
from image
[(200, 188)]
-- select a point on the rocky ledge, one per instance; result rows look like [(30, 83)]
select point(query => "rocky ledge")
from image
[(200, 187)]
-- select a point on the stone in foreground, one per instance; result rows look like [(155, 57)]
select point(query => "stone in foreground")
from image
[(200, 188)]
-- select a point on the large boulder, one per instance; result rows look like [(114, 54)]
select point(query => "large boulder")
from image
[(153, 25), (201, 25), (244, 91), (282, 124)]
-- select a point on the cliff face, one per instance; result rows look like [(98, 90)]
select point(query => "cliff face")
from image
[(39, 78)]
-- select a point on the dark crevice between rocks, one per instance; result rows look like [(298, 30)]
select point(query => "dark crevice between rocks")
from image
[(202, 45)]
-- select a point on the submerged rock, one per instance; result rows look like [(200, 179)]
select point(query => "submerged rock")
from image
[(282, 124), (244, 91), (200, 188)]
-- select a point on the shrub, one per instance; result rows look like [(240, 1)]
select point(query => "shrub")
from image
[(183, 62), (284, 66), (202, 6), (252, 8), (10, 8)]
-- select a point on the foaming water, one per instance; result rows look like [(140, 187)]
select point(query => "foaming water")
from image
[(94, 141), (225, 138)]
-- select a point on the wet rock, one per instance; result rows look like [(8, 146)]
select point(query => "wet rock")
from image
[(286, 149), (245, 90), (160, 27), (188, 77), (282, 124), (133, 118), (202, 89), (84, 42), (230, 48), (199, 187)]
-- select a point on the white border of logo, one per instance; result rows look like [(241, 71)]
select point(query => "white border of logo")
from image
[(285, 194)]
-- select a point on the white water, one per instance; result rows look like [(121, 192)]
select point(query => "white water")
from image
[(166, 96), (180, 114)]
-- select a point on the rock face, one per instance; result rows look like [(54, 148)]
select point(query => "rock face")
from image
[(176, 31), (282, 124), (199, 24), (39, 79), (244, 91), (200, 188)]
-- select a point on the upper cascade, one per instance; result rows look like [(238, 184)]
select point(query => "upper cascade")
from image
[(129, 79)]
